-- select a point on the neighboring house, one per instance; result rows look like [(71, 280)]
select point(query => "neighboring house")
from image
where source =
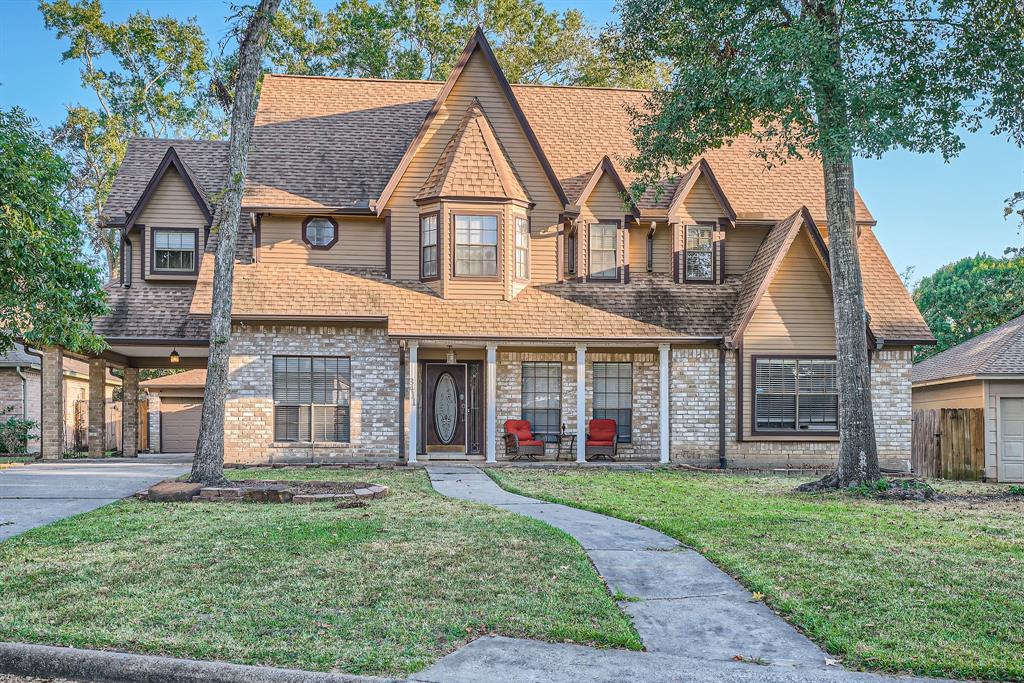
[(21, 389), (420, 261), (175, 406), (986, 372)]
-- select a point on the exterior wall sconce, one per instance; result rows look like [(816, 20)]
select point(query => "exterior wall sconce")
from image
[(175, 358)]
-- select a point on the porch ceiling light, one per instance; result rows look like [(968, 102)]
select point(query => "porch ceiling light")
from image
[(175, 358)]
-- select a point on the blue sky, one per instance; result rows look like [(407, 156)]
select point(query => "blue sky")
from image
[(929, 212)]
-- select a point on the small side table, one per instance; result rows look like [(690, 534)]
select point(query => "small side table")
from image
[(566, 444)]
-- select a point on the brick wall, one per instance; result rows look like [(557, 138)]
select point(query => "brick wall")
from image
[(153, 422), (249, 412), (645, 395), (694, 409), (13, 395)]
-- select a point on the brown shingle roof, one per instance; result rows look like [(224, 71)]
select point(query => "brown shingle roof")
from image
[(655, 307), (151, 311), (179, 380), (474, 164), (1000, 351), (206, 161), (334, 142)]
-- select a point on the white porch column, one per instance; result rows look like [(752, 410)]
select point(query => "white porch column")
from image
[(492, 401), (414, 401), (663, 381), (581, 403)]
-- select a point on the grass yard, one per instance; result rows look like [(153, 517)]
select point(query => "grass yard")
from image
[(385, 589), (935, 589)]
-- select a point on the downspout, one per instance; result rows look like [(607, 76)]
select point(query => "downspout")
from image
[(721, 408), (401, 402)]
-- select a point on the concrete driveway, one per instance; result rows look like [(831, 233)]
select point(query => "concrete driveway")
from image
[(41, 493)]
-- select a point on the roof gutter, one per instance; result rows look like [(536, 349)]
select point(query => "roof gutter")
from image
[(312, 210), (559, 341)]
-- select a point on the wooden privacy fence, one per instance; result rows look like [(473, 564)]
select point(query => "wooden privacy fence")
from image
[(949, 443)]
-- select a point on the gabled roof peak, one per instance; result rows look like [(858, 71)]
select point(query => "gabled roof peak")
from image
[(171, 160), (701, 169), (477, 42), (474, 163), (605, 167)]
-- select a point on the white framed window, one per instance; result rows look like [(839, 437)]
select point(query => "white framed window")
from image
[(700, 253), (476, 245), (428, 245), (522, 247), (174, 250), (795, 395), (603, 252)]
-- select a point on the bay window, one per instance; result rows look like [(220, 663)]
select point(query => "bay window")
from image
[(476, 245), (522, 247), (428, 245)]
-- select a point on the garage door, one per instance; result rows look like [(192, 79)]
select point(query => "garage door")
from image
[(179, 424), (1011, 439)]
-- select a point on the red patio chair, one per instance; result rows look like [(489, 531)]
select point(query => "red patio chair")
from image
[(602, 439), (520, 442)]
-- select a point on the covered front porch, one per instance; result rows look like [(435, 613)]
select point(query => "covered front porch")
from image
[(126, 357), (460, 394)]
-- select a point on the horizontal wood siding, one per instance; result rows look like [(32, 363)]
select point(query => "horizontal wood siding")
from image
[(741, 244), (360, 242), (603, 204), (700, 205), (170, 206), (476, 81), (794, 317), (638, 250), (956, 395)]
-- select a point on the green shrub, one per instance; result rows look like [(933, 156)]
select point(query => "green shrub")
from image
[(15, 432), (1016, 490)]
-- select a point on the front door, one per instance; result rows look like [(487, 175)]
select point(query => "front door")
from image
[(444, 406)]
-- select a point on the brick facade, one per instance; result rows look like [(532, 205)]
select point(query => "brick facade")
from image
[(52, 428), (694, 396), (23, 398), (249, 412), (130, 413)]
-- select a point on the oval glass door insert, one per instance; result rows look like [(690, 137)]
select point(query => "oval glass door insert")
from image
[(446, 408)]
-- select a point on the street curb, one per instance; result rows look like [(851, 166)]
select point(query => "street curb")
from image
[(44, 661)]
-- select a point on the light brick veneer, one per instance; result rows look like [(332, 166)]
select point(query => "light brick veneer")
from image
[(153, 422), (694, 410), (249, 412), (645, 395)]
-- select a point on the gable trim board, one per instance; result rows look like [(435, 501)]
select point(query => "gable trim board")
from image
[(702, 169), (478, 41), (171, 159)]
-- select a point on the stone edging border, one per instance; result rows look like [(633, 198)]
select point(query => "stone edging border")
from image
[(45, 661)]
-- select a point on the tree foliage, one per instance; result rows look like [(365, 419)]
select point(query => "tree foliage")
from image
[(911, 75), (831, 79), (964, 299), (150, 77), (421, 40), (48, 293)]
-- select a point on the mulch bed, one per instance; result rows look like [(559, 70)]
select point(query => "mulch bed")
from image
[(344, 493)]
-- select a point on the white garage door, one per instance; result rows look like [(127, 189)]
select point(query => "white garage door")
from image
[(1011, 439), (179, 424)]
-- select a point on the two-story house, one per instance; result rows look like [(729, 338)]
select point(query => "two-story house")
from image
[(421, 261)]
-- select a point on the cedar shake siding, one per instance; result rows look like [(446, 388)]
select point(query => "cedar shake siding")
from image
[(480, 157)]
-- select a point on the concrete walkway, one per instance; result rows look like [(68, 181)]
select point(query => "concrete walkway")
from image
[(43, 492), (695, 620)]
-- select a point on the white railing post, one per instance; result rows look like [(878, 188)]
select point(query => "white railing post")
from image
[(414, 408), (663, 403), (581, 403), (492, 401)]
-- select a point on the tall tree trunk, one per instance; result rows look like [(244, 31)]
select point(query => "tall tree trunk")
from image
[(208, 466), (858, 454)]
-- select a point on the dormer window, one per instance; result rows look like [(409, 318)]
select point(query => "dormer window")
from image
[(603, 252), (700, 255), (476, 246), (320, 232), (174, 250)]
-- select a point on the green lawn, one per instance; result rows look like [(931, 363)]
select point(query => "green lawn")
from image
[(935, 589), (385, 589)]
